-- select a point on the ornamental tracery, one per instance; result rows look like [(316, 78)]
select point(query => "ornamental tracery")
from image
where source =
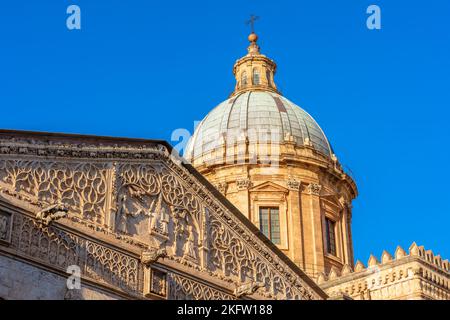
[(82, 186), (153, 198), (156, 202), (61, 249), (182, 288)]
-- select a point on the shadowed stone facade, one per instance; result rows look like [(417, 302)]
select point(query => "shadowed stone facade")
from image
[(137, 222)]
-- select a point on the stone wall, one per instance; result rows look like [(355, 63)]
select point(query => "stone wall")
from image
[(137, 222), (418, 274), (307, 187), (20, 280)]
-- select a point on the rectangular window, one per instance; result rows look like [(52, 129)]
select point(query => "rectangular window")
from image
[(331, 236), (269, 223)]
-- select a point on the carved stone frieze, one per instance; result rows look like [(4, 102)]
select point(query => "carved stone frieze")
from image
[(152, 255), (5, 226), (52, 213), (81, 186), (243, 184), (293, 184), (247, 288), (157, 204), (183, 288), (313, 188), (158, 283), (222, 187), (60, 249)]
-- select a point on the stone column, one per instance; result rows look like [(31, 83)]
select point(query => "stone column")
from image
[(294, 227), (242, 200), (346, 238), (348, 210), (313, 235)]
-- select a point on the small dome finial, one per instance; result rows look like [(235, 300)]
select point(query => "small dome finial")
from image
[(253, 37)]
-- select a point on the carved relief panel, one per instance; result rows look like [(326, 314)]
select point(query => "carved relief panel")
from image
[(154, 207), (82, 185), (155, 283), (59, 249), (5, 226), (161, 207), (183, 288)]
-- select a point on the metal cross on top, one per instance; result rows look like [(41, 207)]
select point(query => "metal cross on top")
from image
[(251, 22)]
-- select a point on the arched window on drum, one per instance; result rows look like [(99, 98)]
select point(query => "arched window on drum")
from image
[(256, 77), (244, 79)]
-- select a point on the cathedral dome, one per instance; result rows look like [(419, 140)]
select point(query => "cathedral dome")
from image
[(272, 161), (258, 114), (255, 118)]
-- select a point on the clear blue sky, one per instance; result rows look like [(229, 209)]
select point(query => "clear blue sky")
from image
[(145, 68)]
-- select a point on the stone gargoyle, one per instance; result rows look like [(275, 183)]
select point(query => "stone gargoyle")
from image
[(52, 213), (247, 288), (152, 255)]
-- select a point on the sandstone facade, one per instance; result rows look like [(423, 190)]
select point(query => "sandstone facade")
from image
[(137, 222)]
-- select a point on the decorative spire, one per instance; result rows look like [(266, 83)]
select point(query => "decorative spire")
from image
[(251, 22), (254, 71), (253, 48), (253, 37)]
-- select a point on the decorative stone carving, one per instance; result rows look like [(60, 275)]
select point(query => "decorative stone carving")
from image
[(152, 255), (359, 266), (410, 276), (232, 257), (314, 189), (293, 184), (52, 213), (344, 202), (182, 288), (400, 253), (385, 257), (81, 186), (160, 219), (334, 273), (177, 214), (60, 249), (158, 196), (222, 187), (373, 261), (321, 278), (189, 246), (346, 269), (158, 283), (5, 226), (247, 288), (243, 184)]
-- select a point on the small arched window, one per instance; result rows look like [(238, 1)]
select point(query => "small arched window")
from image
[(256, 78), (244, 78)]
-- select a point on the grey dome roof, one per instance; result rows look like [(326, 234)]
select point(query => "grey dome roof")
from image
[(257, 110)]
